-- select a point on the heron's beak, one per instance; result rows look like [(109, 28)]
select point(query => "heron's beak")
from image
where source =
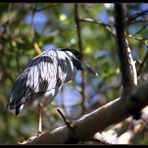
[(88, 68)]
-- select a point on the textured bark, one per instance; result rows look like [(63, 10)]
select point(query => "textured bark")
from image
[(103, 117), (127, 64)]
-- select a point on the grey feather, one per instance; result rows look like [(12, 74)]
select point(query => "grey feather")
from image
[(42, 78)]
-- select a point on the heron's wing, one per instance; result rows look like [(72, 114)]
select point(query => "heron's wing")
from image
[(38, 77)]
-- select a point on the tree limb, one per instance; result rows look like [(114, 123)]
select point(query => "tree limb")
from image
[(127, 65), (97, 120)]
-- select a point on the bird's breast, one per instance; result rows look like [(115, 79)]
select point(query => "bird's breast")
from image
[(45, 99)]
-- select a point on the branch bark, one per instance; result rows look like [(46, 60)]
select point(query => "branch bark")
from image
[(107, 115), (81, 50), (127, 64)]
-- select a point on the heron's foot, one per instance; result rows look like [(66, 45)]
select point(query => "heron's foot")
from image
[(39, 133)]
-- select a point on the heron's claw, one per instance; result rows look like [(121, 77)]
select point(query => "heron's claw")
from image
[(39, 133)]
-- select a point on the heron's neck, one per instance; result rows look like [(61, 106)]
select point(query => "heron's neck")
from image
[(67, 70)]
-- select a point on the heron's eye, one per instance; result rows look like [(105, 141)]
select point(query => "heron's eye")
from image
[(77, 64), (77, 54)]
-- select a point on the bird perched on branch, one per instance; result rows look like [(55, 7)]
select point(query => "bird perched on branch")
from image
[(40, 81)]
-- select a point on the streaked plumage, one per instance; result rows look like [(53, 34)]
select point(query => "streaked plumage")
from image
[(43, 77)]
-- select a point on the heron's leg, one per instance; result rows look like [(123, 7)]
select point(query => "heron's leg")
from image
[(40, 118)]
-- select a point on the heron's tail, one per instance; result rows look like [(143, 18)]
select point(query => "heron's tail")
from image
[(13, 108)]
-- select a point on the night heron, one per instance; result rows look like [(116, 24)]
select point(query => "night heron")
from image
[(40, 81)]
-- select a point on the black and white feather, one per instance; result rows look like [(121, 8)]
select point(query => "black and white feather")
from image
[(43, 77)]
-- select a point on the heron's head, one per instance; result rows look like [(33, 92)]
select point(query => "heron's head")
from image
[(78, 60)]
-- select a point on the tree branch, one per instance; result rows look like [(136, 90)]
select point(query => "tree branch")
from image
[(141, 40), (139, 31), (144, 20), (142, 64), (47, 7), (109, 27), (127, 65), (133, 17), (97, 120), (81, 50)]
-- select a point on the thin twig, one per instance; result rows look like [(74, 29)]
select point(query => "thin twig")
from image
[(70, 127), (144, 20), (37, 47), (109, 27), (32, 21), (133, 17), (142, 64), (91, 19), (81, 50), (140, 30), (141, 40), (34, 41), (68, 123), (44, 8)]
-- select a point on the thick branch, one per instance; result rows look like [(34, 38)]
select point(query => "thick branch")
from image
[(127, 65), (97, 120)]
